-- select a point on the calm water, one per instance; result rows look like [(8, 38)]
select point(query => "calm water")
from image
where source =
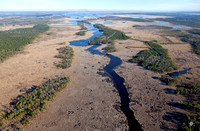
[(161, 23), (117, 80), (176, 74)]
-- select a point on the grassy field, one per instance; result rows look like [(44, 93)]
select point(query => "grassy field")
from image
[(12, 41), (155, 59), (182, 19), (126, 19), (191, 36), (26, 107), (109, 35)]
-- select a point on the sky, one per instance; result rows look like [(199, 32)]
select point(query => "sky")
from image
[(132, 5)]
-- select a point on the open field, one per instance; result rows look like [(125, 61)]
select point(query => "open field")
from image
[(91, 100)]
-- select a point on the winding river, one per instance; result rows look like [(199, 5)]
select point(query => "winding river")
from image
[(117, 80)]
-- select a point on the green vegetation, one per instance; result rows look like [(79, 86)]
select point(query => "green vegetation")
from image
[(12, 41), (28, 18), (152, 26), (63, 43), (169, 80), (159, 27), (110, 48), (194, 40), (81, 24), (136, 26), (26, 107), (125, 19), (189, 89), (109, 35), (182, 19), (129, 47), (81, 33), (194, 31), (66, 54), (155, 59), (84, 28), (192, 105)]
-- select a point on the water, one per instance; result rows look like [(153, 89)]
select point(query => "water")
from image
[(176, 74), (108, 22), (96, 33), (161, 23), (117, 80)]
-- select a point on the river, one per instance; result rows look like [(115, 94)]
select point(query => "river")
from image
[(117, 80)]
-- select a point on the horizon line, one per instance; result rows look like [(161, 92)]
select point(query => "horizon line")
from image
[(90, 10)]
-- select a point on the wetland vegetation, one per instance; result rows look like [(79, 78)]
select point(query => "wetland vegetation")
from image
[(155, 59), (125, 19), (191, 92), (65, 54), (26, 107), (109, 35), (12, 41), (81, 33), (110, 48), (193, 40)]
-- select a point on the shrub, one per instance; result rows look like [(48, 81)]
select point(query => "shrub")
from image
[(28, 106), (190, 89), (109, 35), (66, 54), (169, 80), (155, 59), (12, 41), (81, 33), (110, 48)]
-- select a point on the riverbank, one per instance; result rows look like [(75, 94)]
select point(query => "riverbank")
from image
[(155, 105), (90, 101)]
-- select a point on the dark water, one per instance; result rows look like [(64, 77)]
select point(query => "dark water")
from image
[(176, 74), (117, 80)]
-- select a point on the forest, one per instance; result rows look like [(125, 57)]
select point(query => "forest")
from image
[(12, 41), (109, 35), (155, 59), (26, 107), (65, 54)]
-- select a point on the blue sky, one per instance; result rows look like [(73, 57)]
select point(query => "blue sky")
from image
[(135, 5)]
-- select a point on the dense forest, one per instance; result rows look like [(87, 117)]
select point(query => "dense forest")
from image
[(109, 35), (26, 107), (156, 59), (81, 33), (12, 41), (65, 54), (179, 18), (182, 19)]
